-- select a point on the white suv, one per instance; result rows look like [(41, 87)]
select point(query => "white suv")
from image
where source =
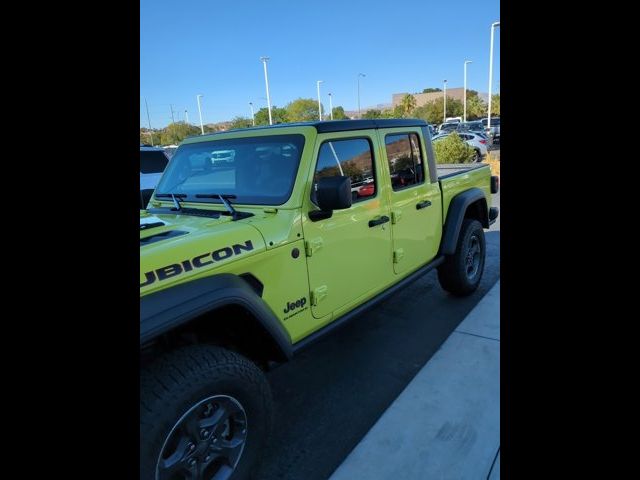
[(153, 161)]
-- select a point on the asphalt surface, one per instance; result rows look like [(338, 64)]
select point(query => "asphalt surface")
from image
[(330, 395)]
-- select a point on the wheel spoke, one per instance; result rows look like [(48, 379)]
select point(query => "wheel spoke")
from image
[(168, 467), (223, 473), (216, 420), (190, 428)]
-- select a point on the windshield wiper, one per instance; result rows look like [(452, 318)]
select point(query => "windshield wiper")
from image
[(223, 198), (174, 196)]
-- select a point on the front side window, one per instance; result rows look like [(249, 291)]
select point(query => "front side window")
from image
[(257, 170), (352, 158), (405, 160)]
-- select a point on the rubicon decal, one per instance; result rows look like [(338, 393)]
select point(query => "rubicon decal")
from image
[(198, 261)]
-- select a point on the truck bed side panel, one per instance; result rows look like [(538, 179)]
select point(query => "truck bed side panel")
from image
[(455, 183)]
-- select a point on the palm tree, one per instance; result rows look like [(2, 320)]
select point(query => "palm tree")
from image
[(408, 103)]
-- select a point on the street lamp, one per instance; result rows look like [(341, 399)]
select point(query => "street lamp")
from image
[(359, 75), (319, 104), (266, 82), (253, 118), (330, 106), (464, 115), (493, 26), (186, 116), (149, 121), (198, 97), (444, 115)]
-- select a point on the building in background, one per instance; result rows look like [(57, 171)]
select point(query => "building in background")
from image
[(424, 98)]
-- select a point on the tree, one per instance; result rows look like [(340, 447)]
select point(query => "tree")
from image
[(338, 113), (408, 104), (476, 108), (372, 114), (495, 105), (240, 122), (302, 110), (176, 132), (429, 90), (279, 115), (452, 149), (432, 112), (146, 134), (395, 112)]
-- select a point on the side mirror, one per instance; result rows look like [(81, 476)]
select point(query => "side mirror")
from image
[(333, 193)]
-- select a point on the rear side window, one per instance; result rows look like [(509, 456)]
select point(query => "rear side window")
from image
[(405, 160), (152, 162), (352, 158)]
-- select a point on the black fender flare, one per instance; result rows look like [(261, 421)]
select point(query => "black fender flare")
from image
[(162, 311), (455, 216)]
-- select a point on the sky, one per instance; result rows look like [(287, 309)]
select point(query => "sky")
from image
[(213, 48)]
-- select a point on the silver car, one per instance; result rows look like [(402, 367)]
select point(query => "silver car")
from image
[(478, 142), (153, 161)]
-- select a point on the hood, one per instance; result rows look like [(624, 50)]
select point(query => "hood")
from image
[(175, 247)]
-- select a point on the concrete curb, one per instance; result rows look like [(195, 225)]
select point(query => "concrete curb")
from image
[(446, 423)]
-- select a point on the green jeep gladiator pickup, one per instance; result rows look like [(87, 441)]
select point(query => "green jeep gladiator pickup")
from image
[(244, 262)]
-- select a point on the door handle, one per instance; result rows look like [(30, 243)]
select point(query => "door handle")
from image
[(378, 221), (424, 204)]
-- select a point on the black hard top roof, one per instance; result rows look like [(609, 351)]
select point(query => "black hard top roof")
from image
[(335, 125)]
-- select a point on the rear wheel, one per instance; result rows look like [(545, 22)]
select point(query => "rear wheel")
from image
[(460, 274), (476, 156), (205, 413)]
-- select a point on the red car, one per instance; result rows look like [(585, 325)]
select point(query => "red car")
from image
[(367, 190)]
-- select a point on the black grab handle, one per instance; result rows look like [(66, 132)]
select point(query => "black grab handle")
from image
[(380, 221), (424, 204)]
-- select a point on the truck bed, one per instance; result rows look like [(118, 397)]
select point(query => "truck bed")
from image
[(456, 178), (449, 169)]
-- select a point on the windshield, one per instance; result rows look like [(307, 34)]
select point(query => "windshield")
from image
[(448, 126), (257, 170)]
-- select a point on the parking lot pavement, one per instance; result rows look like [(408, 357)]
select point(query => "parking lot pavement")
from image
[(331, 394), (446, 423)]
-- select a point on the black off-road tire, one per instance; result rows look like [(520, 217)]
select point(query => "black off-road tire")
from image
[(185, 389), (460, 274)]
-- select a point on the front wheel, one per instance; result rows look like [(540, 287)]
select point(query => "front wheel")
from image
[(460, 274), (205, 413)]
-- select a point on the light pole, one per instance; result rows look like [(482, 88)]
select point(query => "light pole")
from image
[(186, 116), (253, 118), (319, 104), (172, 119), (266, 82), (493, 26), (359, 75), (330, 106), (149, 121), (200, 113), (464, 114), (444, 115)]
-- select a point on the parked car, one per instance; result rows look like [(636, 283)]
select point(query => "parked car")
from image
[(153, 161), (475, 127), (494, 130), (222, 157), (170, 150), (448, 127), (474, 140)]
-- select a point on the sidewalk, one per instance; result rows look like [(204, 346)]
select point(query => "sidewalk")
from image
[(445, 425)]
